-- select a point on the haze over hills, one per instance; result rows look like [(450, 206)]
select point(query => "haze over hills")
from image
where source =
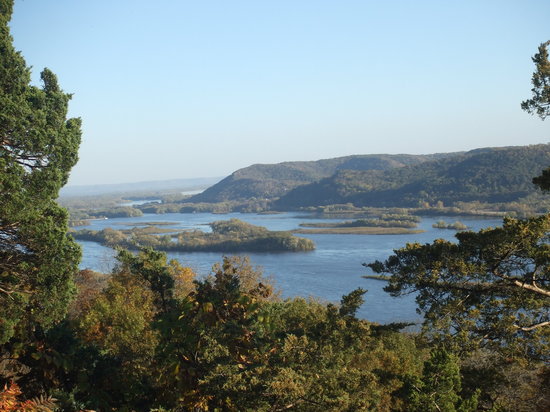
[(491, 175), (161, 186), (270, 181)]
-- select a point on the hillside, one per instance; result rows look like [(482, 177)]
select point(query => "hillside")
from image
[(487, 175), (269, 181)]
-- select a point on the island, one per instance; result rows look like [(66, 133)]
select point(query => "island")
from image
[(441, 224), (231, 235), (386, 224)]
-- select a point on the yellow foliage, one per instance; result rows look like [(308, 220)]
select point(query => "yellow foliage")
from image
[(183, 278), (119, 320), (9, 401)]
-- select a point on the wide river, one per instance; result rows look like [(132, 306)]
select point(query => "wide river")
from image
[(332, 270)]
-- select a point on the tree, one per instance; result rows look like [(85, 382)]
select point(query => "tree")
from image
[(491, 289), (543, 181), (540, 102), (440, 386), (119, 324), (38, 147), (151, 266)]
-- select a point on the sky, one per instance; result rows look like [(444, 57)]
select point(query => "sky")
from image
[(175, 89)]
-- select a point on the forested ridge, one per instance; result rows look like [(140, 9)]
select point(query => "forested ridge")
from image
[(268, 181), (489, 175), (151, 335)]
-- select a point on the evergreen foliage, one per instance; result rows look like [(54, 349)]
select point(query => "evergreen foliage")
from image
[(491, 289), (439, 387), (539, 104), (38, 147)]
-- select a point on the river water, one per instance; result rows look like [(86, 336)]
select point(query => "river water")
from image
[(332, 270)]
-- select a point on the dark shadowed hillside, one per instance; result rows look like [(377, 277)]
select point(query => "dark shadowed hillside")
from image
[(268, 181), (487, 175)]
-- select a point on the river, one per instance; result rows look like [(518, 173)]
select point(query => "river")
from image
[(332, 270)]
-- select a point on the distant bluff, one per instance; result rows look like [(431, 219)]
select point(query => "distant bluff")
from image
[(271, 181), (489, 175)]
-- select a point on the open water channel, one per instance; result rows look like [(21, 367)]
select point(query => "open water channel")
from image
[(332, 270)]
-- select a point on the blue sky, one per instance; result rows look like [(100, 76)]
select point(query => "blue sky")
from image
[(180, 89)]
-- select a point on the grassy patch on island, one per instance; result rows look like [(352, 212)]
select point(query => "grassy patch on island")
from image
[(359, 231), (385, 224)]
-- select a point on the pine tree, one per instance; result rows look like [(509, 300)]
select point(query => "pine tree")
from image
[(440, 386), (540, 102), (490, 289)]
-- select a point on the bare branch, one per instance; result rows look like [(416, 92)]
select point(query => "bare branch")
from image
[(532, 327), (523, 285), (532, 288)]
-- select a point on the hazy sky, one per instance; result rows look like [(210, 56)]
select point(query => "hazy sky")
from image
[(180, 89)]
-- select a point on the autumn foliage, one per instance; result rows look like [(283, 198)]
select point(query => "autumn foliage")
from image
[(9, 401)]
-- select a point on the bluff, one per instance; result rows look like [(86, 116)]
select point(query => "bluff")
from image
[(270, 181), (487, 175)]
